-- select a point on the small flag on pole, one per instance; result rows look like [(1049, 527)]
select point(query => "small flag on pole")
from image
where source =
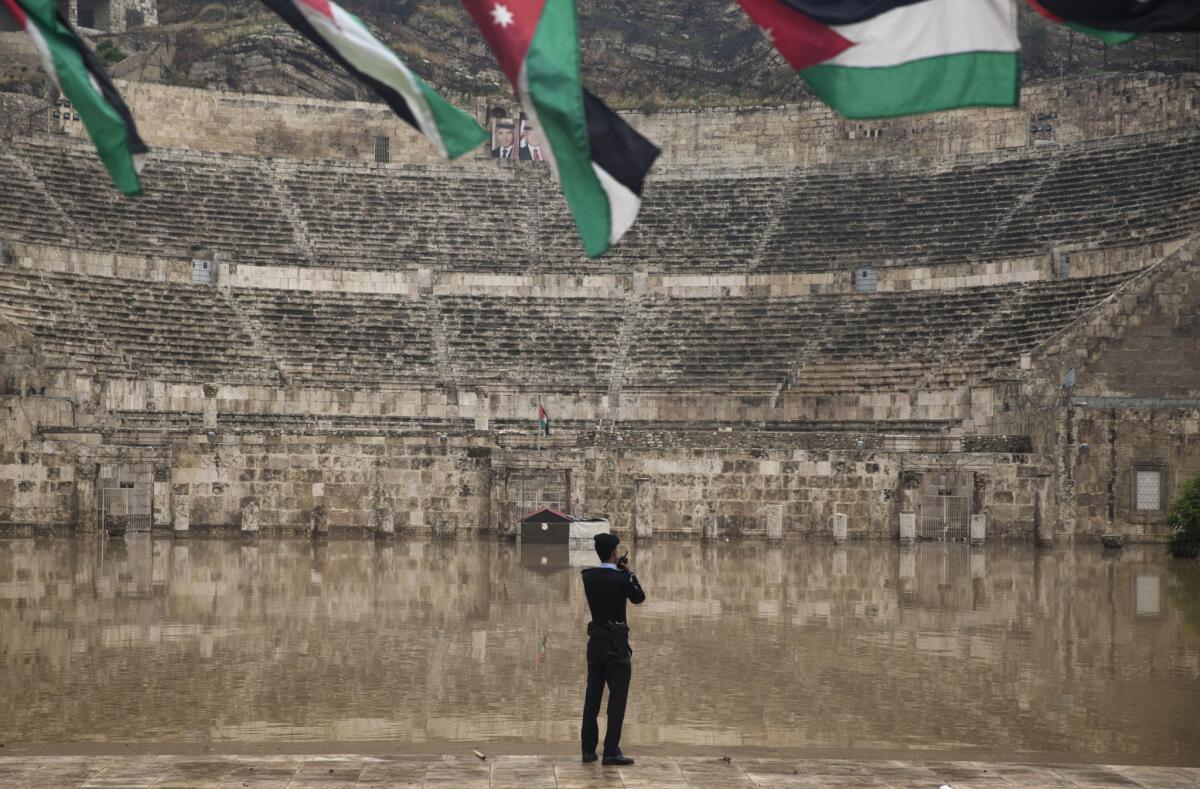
[(344, 37), (80, 77), (543, 421)]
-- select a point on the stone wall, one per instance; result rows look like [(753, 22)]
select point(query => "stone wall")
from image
[(342, 485), (770, 137), (1120, 391), (260, 125)]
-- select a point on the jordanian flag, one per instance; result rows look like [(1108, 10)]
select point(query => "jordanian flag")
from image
[(1107, 36), (81, 78), (599, 159), (1131, 16), (344, 37), (543, 421), (883, 58)]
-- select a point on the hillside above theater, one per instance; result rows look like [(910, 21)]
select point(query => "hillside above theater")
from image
[(669, 54)]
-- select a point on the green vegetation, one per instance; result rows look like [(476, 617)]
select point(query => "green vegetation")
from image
[(110, 53), (1184, 518)]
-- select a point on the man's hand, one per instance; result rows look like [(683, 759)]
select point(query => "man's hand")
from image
[(623, 562)]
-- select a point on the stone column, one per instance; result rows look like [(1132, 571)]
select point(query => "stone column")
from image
[(210, 407), (385, 520), (643, 510), (251, 516), (841, 527), (908, 527), (320, 522), (85, 496), (774, 514), (181, 512), (161, 511), (708, 523), (978, 529)]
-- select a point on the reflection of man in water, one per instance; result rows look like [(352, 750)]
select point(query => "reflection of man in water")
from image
[(504, 141), (608, 653), (530, 149)]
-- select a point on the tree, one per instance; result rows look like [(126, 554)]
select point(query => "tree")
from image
[(1184, 518)]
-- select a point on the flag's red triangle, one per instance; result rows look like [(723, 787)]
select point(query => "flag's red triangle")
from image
[(803, 41), (508, 26)]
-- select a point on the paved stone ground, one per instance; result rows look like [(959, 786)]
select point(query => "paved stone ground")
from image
[(538, 772)]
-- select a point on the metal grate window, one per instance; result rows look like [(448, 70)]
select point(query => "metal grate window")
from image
[(201, 272), (383, 150), (866, 280), (1147, 490), (1062, 265)]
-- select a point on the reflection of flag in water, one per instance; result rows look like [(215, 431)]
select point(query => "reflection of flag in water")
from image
[(540, 655), (344, 37), (543, 421), (1107, 36), (882, 58), (599, 159), (74, 69)]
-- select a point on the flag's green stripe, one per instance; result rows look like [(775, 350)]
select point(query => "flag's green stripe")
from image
[(458, 130), (1107, 36), (103, 124), (553, 75), (970, 79)]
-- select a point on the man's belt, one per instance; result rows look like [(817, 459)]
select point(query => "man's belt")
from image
[(613, 638)]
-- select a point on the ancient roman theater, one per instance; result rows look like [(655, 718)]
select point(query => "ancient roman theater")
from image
[(980, 320)]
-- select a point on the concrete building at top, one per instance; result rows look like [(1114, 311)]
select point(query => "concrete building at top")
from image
[(983, 314)]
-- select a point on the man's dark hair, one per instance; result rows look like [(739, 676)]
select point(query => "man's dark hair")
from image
[(606, 553)]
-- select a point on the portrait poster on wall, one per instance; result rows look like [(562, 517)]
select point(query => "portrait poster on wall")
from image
[(515, 138)]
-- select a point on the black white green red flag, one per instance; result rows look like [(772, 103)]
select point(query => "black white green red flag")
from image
[(1132, 16), (884, 58), (543, 421), (1107, 36), (80, 77), (344, 37), (600, 161)]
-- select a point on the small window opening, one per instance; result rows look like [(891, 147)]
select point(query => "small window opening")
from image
[(1147, 492), (383, 150)]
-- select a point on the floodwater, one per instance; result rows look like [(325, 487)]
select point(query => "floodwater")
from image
[(862, 649)]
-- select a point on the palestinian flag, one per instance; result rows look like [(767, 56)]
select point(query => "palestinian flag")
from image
[(883, 58), (599, 159), (80, 77), (543, 421), (1130, 16), (344, 37), (1107, 36)]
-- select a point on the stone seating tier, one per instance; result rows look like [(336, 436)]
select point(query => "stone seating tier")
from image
[(825, 344), (1122, 191)]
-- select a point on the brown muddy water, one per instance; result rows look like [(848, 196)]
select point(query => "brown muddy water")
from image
[(867, 648)]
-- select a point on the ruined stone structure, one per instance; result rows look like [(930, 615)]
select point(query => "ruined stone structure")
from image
[(784, 337), (110, 16)]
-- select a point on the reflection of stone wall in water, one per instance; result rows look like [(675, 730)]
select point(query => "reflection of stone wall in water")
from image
[(933, 646)]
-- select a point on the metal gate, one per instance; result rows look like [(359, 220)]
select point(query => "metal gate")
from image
[(531, 489), (946, 505), (125, 509), (125, 497)]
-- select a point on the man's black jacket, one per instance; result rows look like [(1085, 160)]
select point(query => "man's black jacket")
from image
[(607, 590)]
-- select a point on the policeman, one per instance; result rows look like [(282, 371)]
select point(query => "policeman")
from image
[(608, 652)]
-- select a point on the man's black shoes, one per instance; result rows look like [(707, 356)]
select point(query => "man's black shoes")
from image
[(588, 758), (620, 760)]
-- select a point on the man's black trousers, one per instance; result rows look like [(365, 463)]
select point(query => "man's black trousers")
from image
[(616, 676)]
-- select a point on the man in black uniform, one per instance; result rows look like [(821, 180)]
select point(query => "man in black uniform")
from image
[(608, 653)]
